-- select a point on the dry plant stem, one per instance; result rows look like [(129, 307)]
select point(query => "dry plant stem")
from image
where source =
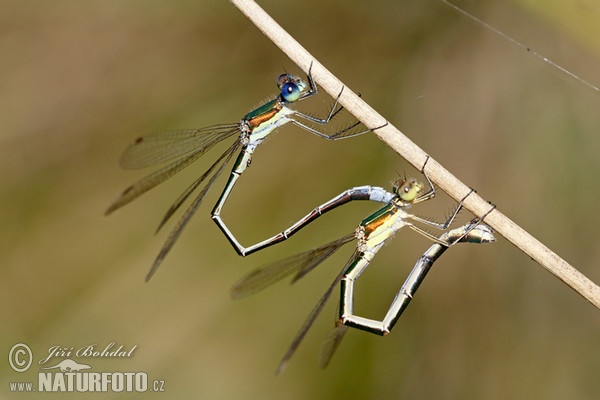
[(416, 156)]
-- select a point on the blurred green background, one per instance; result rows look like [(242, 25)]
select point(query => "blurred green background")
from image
[(80, 80)]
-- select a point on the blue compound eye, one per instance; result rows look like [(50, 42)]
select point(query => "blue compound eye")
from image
[(290, 92)]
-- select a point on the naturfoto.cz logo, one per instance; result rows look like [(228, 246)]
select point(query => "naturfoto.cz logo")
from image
[(69, 375)]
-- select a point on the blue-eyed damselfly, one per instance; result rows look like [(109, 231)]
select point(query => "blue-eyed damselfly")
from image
[(179, 149)]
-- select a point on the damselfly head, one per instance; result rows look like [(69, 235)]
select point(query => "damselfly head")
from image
[(407, 189), (291, 87)]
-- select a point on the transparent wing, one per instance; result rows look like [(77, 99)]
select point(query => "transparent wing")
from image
[(174, 235), (153, 149), (140, 187), (299, 264), (157, 177), (190, 189), (312, 317), (331, 343)]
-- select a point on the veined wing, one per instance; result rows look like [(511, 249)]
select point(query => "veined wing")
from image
[(190, 189), (164, 173), (153, 149), (324, 252), (308, 322), (331, 343), (176, 231), (299, 264)]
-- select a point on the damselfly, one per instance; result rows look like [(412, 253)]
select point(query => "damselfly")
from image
[(371, 234), (183, 147)]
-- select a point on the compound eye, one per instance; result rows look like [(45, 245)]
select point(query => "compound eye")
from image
[(409, 191), (283, 79), (290, 92)]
